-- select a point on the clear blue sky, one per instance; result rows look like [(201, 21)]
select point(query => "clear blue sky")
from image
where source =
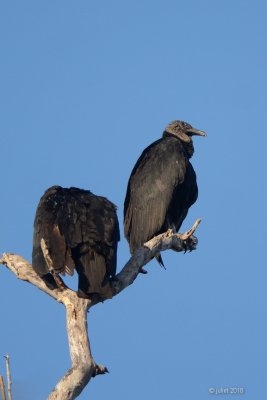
[(85, 87)]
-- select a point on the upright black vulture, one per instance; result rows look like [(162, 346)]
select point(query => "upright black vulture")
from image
[(80, 230), (162, 186)]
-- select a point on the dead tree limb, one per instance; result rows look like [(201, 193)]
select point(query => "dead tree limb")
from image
[(8, 374), (2, 387), (168, 240), (83, 365)]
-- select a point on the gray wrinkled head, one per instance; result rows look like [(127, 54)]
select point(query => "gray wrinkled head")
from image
[(182, 130)]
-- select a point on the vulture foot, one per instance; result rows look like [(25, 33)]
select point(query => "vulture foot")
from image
[(190, 244), (99, 370)]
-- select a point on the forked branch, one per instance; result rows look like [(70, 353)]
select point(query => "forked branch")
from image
[(83, 365)]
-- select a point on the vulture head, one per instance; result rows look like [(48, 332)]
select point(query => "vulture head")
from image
[(183, 131)]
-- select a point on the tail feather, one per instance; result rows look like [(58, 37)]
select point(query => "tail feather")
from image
[(91, 268)]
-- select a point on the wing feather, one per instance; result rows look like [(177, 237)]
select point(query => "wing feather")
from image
[(74, 223), (158, 171)]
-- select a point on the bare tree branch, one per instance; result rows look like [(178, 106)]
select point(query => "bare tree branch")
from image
[(83, 365), (24, 271), (2, 387), (8, 373), (162, 242)]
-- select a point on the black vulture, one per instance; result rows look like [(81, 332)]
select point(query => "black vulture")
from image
[(162, 186), (80, 230)]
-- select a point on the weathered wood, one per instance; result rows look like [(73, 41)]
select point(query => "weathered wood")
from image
[(83, 365), (24, 271), (8, 374), (2, 387), (142, 256)]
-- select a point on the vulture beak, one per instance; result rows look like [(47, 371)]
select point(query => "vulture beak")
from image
[(193, 131)]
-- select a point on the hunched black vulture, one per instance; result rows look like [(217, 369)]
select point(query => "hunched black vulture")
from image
[(162, 186), (81, 231)]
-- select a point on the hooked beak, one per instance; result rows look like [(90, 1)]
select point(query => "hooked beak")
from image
[(193, 131)]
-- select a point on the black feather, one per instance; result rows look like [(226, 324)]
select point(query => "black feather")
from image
[(161, 188), (81, 230)]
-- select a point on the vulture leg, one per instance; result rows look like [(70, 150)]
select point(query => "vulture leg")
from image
[(50, 281)]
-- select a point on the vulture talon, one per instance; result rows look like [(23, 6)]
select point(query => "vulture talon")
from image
[(142, 271), (99, 370)]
